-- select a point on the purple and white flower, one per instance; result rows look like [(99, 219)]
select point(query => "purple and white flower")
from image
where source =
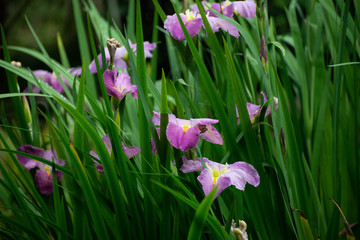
[(185, 134), (255, 110), (129, 152), (216, 174), (118, 85), (50, 79), (192, 23), (43, 175), (121, 56)]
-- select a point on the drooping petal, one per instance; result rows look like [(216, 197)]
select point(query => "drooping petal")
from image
[(156, 118), (251, 176), (99, 167), (51, 156), (253, 109), (212, 135), (27, 162), (75, 71), (245, 8), (192, 166), (217, 23), (130, 151), (92, 65), (203, 121), (44, 181), (107, 142)]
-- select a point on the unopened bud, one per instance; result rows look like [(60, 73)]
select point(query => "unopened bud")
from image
[(112, 45), (26, 110), (263, 55), (16, 64)]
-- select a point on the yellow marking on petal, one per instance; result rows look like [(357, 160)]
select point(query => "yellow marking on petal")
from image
[(215, 173), (185, 127), (48, 169), (226, 3), (190, 15)]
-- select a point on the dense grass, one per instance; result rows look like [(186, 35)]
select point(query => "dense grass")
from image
[(306, 152)]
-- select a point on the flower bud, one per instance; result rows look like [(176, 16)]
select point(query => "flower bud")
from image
[(112, 45), (16, 64), (263, 55), (26, 110)]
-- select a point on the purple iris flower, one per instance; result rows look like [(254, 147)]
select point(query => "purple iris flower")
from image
[(192, 23), (216, 174), (185, 134), (243, 8), (119, 85), (121, 56), (255, 110), (50, 79), (129, 152), (43, 175), (217, 23)]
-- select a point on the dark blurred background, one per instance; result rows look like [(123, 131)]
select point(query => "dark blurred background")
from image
[(50, 17)]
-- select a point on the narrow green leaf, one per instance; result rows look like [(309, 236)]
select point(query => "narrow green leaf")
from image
[(197, 224), (83, 45)]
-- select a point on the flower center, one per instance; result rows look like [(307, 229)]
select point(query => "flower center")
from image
[(190, 15), (186, 126), (121, 89), (215, 172), (48, 169), (226, 3)]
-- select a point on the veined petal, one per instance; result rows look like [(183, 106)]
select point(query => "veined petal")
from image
[(217, 23), (156, 118), (130, 151), (193, 166), (212, 135), (245, 8), (92, 65), (27, 162), (107, 142), (251, 176), (253, 109), (172, 25), (181, 139), (203, 121), (44, 181), (206, 180)]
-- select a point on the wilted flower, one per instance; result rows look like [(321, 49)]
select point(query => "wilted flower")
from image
[(255, 110), (43, 175), (121, 56), (184, 134), (239, 232), (119, 85), (129, 152), (216, 174), (192, 23)]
